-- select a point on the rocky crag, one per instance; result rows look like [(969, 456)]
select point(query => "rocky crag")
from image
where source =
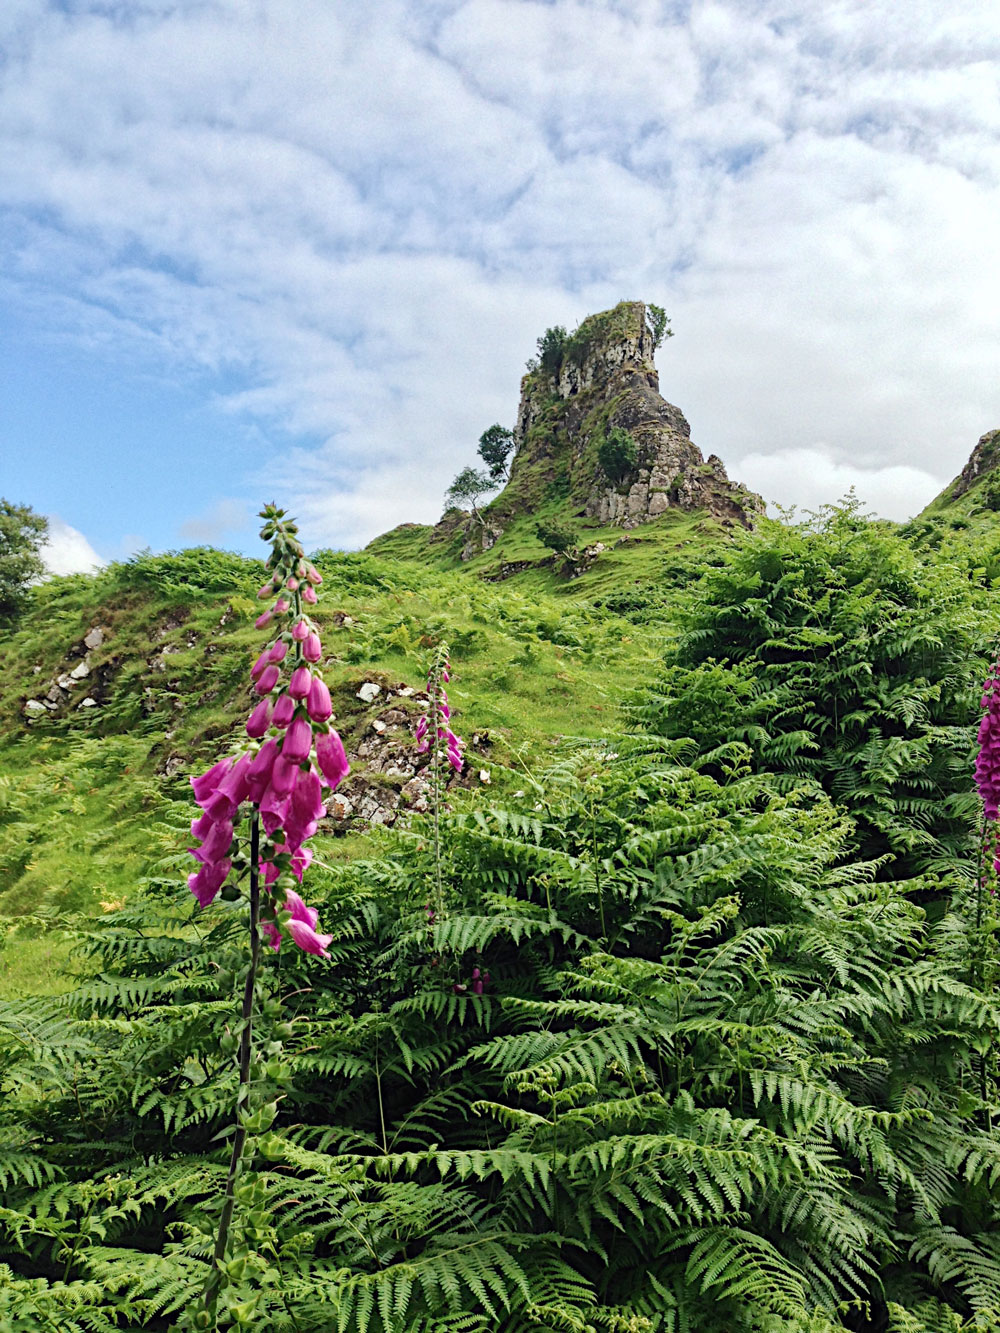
[(596, 384), (984, 459)]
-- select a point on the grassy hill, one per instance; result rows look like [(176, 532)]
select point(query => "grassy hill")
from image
[(86, 788)]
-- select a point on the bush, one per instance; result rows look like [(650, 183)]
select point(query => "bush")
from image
[(618, 454), (558, 537)]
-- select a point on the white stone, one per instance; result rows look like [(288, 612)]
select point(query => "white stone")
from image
[(484, 776), (80, 670), (378, 727), (88, 702), (369, 691), (94, 638), (34, 706), (406, 692), (66, 682), (339, 808)]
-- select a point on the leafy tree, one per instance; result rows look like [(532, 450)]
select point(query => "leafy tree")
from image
[(658, 323), (466, 489), (495, 445), (22, 533), (618, 454), (551, 346)]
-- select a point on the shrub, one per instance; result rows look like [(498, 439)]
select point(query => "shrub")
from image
[(618, 454)]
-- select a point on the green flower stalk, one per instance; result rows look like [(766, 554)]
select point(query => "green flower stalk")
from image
[(293, 754)]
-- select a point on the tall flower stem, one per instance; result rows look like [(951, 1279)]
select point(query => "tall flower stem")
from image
[(246, 1057)]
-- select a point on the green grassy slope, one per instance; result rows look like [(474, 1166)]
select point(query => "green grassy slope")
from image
[(83, 789)]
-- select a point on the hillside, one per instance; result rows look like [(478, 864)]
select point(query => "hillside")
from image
[(674, 1011)]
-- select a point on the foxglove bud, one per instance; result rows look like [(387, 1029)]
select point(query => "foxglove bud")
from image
[(269, 677), (259, 720), (284, 711), (298, 686), (319, 706)]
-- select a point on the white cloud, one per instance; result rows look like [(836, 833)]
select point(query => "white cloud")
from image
[(371, 214), (67, 551), (809, 478), (223, 519)]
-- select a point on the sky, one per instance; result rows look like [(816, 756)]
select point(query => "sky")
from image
[(300, 250)]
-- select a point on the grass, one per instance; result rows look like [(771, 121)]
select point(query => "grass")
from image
[(87, 808)]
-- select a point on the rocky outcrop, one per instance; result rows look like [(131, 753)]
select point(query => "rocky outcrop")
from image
[(601, 382), (984, 458)]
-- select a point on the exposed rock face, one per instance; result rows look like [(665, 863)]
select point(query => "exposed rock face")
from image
[(605, 379), (984, 458)]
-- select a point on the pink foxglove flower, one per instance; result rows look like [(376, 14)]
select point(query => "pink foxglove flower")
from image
[(988, 760), (216, 842), (284, 711), (300, 683), (307, 798), (283, 775), (260, 664), (308, 940), (297, 742), (331, 757), (319, 704), (285, 767), (206, 784), (269, 677), (259, 720), (206, 882)]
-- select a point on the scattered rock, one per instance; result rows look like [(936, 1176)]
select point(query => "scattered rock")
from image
[(378, 727), (406, 692), (415, 794), (81, 670), (394, 717), (66, 682), (93, 638), (484, 776), (379, 807), (34, 707), (339, 808), (88, 702), (369, 692)]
